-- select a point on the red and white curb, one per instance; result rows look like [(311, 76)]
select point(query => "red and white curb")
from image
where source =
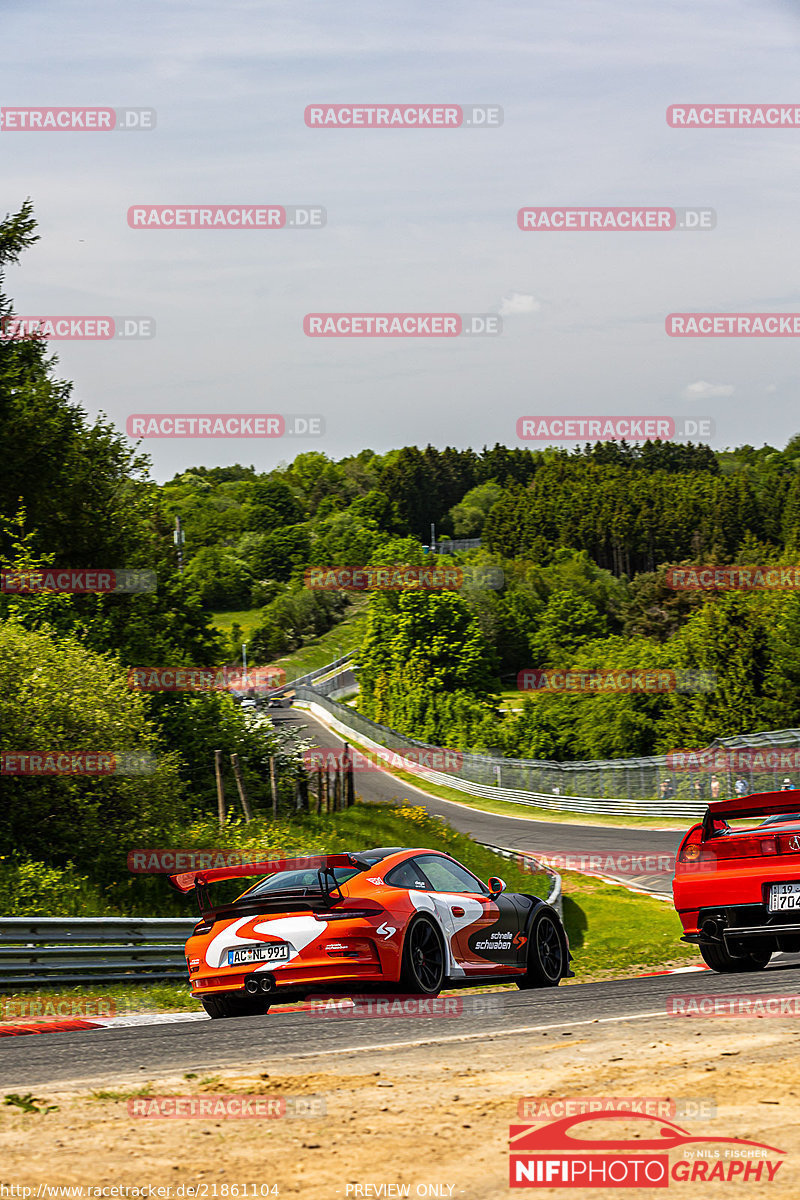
[(82, 1024)]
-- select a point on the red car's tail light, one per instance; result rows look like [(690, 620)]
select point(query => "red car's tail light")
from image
[(203, 927), (727, 850)]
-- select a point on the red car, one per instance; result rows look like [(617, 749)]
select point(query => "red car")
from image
[(737, 888), (391, 918)]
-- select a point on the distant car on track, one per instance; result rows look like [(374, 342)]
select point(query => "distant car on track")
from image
[(737, 889), (391, 918)]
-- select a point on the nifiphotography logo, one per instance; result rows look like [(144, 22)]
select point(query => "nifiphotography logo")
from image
[(621, 1148)]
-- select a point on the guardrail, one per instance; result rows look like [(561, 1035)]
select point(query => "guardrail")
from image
[(310, 676), (353, 726), (35, 951)]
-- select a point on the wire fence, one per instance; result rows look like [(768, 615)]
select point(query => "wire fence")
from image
[(452, 546), (677, 784)]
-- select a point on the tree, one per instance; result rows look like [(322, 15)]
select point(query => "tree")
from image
[(568, 622), (57, 696), (273, 504)]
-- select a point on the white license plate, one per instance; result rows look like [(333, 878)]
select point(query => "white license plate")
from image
[(265, 952), (783, 896)]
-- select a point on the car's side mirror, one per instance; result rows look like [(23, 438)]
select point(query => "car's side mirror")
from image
[(496, 886)]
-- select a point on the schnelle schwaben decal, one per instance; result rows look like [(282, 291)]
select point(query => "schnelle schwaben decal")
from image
[(585, 1151)]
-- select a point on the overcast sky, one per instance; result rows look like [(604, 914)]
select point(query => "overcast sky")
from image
[(417, 220)]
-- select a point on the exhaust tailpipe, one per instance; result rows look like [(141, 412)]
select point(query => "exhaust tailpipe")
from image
[(251, 986), (712, 930)]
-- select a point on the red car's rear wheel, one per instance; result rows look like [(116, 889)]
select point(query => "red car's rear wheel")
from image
[(721, 960)]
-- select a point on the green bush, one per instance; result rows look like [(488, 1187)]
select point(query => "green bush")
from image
[(34, 889)]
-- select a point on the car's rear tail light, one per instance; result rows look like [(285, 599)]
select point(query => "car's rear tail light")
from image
[(728, 850), (209, 981), (203, 927)]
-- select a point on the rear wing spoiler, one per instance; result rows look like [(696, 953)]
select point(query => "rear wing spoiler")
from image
[(198, 881), (186, 880), (760, 804)]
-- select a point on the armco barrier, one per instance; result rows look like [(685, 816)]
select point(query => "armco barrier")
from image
[(39, 951), (472, 777), (319, 676)]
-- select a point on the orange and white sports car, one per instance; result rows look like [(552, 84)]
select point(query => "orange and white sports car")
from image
[(408, 920)]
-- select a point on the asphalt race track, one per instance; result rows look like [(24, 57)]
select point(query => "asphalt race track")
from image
[(280, 1039), (513, 833)]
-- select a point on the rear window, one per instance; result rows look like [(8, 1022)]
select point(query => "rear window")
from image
[(290, 881)]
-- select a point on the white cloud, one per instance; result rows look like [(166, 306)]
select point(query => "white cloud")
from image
[(703, 390), (518, 302)]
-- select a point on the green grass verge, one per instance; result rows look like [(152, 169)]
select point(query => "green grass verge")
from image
[(343, 638), (614, 932), (248, 618)]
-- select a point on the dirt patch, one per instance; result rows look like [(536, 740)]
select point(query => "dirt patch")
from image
[(426, 1118)]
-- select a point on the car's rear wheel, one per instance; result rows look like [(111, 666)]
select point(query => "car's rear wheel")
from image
[(423, 958), (546, 953), (233, 1005), (719, 958)]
